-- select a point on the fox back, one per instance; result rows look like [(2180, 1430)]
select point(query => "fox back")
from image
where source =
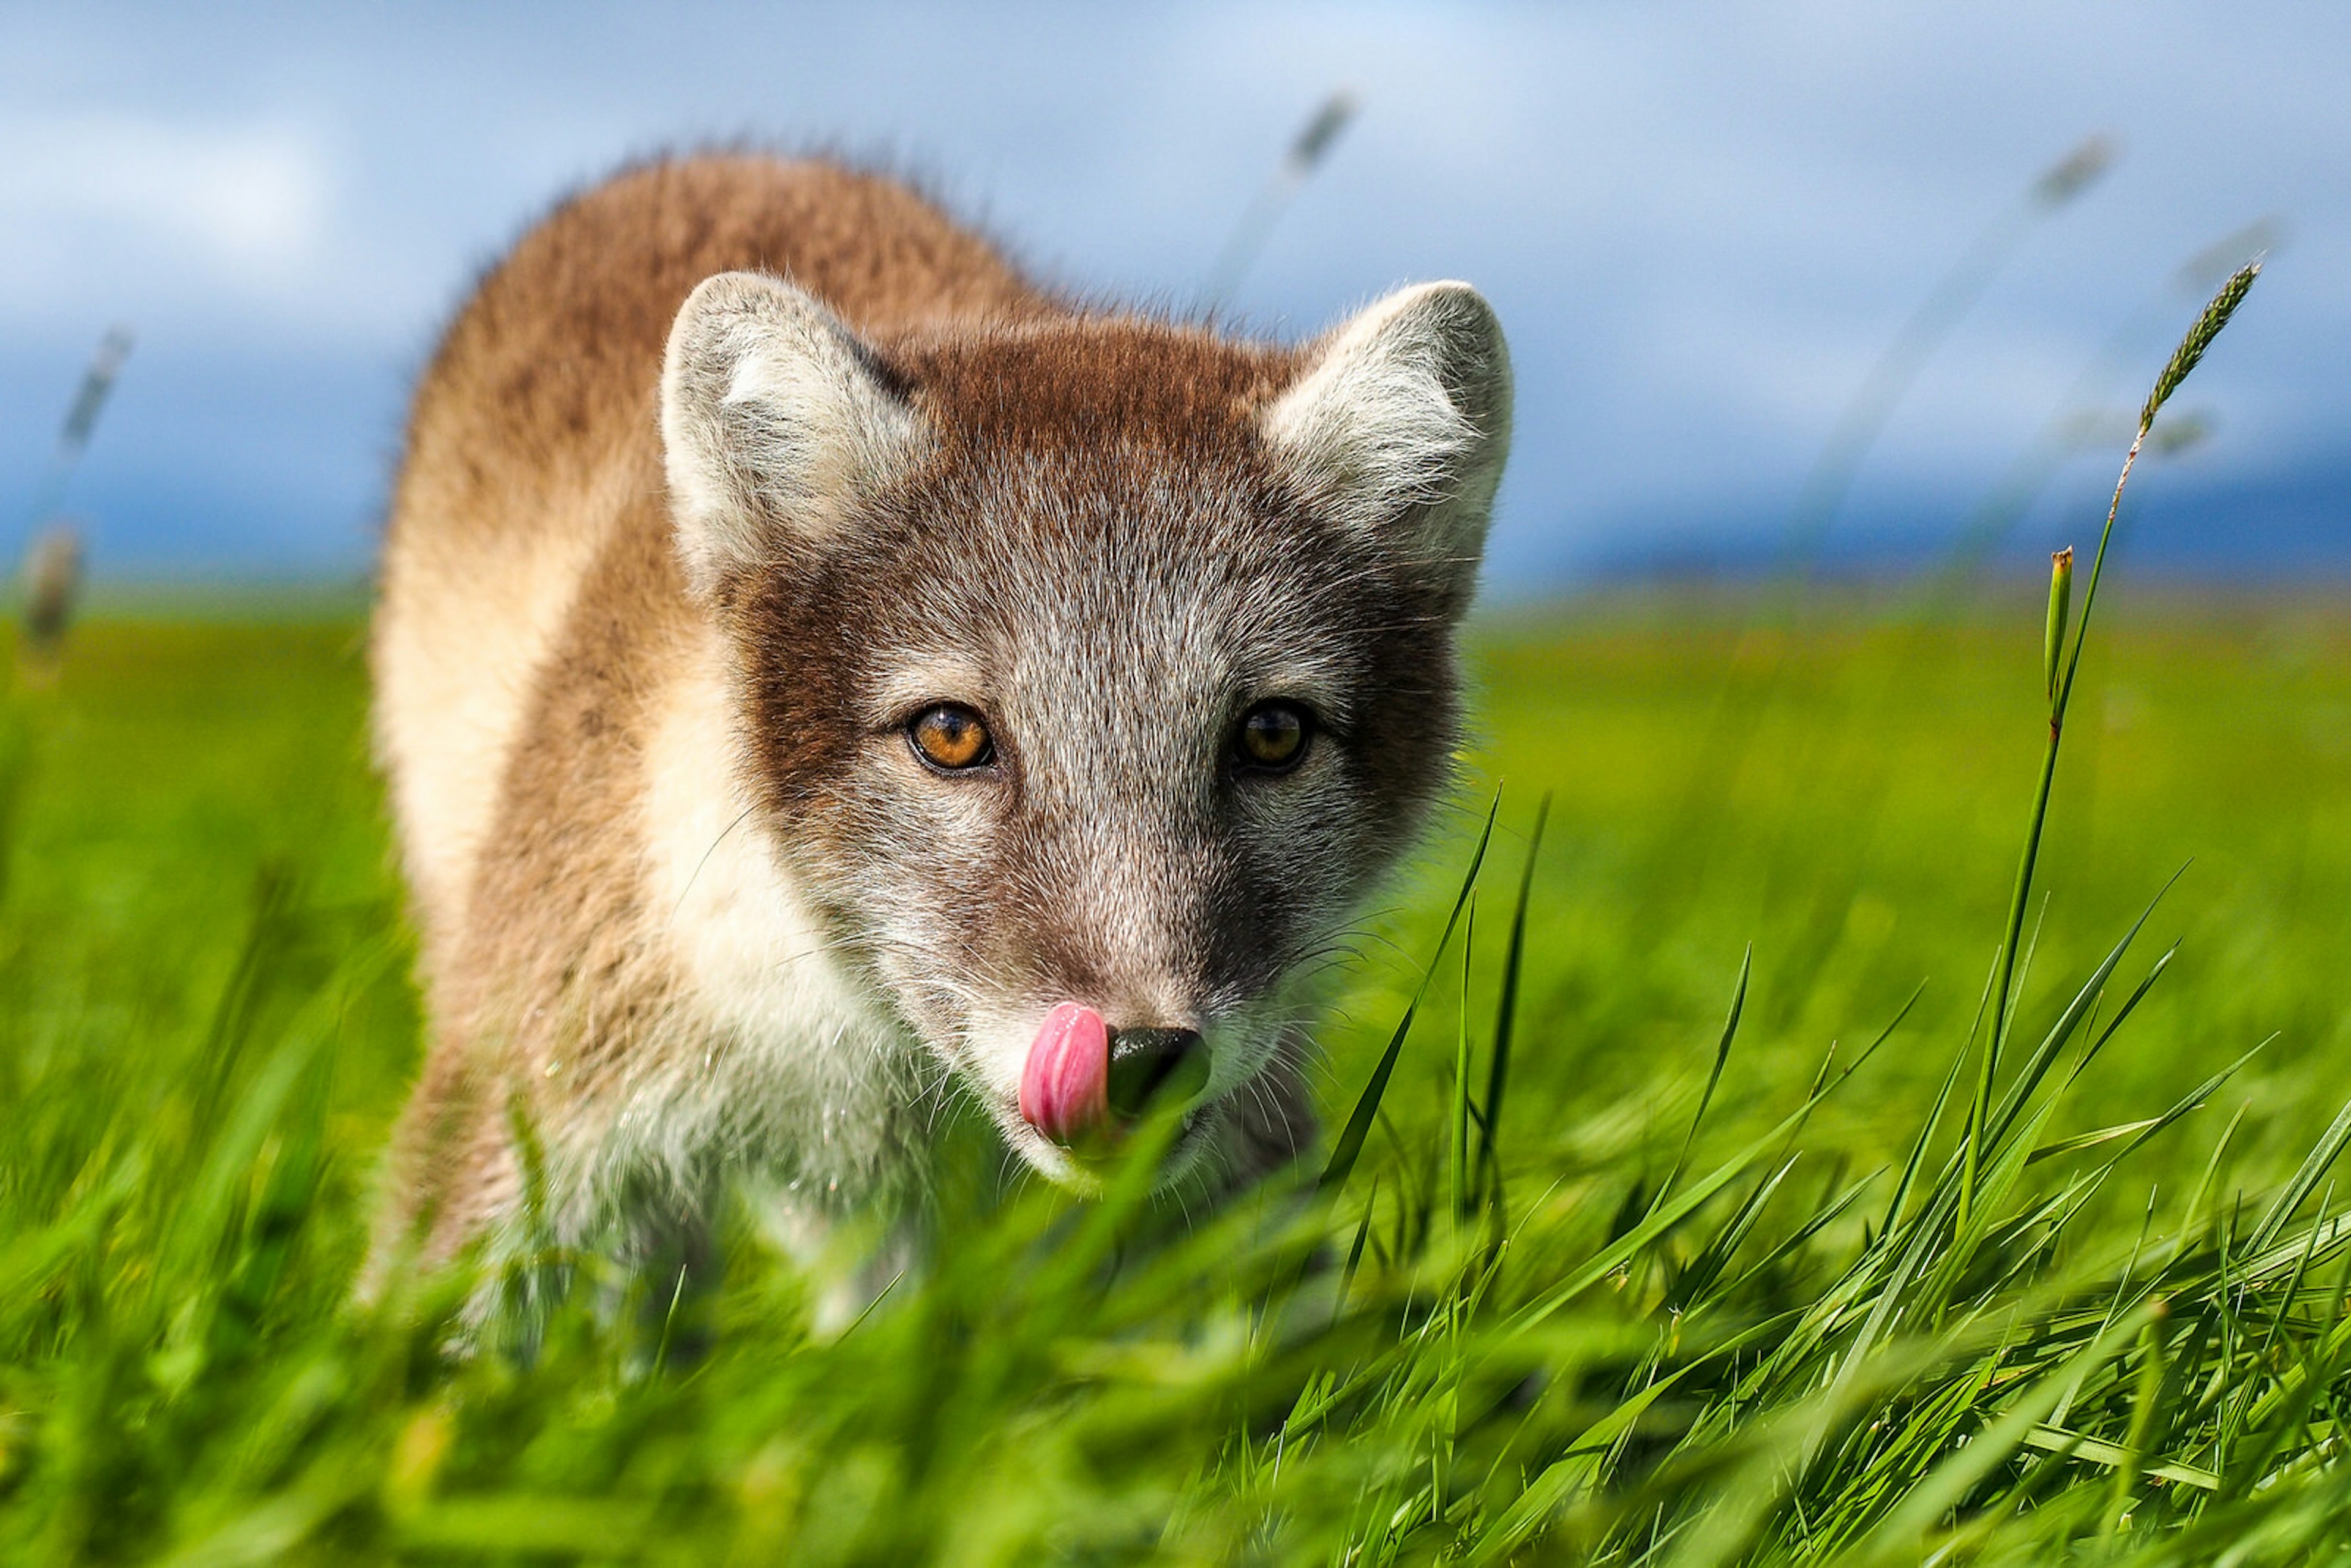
[(820, 673)]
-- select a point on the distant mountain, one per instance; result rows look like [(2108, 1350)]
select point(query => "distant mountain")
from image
[(2290, 528)]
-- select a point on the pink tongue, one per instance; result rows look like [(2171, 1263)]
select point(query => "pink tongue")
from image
[(1065, 1086)]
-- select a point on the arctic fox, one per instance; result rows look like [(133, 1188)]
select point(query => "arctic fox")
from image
[(818, 670)]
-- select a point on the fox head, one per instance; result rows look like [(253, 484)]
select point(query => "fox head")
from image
[(1091, 669)]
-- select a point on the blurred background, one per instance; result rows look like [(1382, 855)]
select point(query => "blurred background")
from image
[(1861, 278)]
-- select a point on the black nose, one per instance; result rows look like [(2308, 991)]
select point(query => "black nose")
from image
[(1147, 1063)]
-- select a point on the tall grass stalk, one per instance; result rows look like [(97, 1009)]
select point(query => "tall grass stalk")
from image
[(2206, 327)]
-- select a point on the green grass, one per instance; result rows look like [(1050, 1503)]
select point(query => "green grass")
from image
[(1611, 1341)]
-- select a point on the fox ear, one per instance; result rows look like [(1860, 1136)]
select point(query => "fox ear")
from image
[(1400, 426), (775, 421)]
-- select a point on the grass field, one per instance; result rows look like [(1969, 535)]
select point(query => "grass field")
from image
[(1779, 1339)]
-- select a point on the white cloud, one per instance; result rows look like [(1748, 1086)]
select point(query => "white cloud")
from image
[(90, 201)]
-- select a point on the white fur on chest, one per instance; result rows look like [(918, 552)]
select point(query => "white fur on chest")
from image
[(779, 1063)]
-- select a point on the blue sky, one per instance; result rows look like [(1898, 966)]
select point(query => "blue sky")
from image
[(1700, 223)]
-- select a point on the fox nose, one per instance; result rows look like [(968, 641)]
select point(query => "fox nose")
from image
[(1148, 1063)]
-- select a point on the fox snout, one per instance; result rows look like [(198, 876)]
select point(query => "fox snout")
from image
[(1083, 1078)]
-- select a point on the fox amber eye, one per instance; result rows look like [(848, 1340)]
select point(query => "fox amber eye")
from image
[(951, 736), (1273, 736)]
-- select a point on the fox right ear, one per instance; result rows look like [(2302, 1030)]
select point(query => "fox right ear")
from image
[(1400, 425), (775, 421)]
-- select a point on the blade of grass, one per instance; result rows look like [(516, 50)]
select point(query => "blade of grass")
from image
[(1350, 1143), (1456, 1152), (1902, 1534), (1713, 1076), (1665, 1217), (1910, 1167), (2305, 1180), (1506, 1008), (2084, 998)]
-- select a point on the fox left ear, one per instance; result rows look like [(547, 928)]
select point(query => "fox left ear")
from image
[(1401, 424), (776, 420)]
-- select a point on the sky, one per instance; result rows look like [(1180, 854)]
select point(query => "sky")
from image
[(1702, 226)]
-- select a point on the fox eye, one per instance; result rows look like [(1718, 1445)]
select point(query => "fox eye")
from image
[(950, 737), (1273, 736)]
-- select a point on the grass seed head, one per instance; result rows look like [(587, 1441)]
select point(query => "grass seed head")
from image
[(53, 582), (2199, 338), (2076, 172)]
